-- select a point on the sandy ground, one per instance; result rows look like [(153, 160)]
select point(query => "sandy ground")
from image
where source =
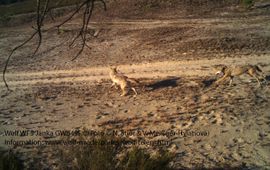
[(174, 58)]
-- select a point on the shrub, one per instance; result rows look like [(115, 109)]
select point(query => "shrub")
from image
[(107, 156), (248, 3), (10, 161), (140, 159)]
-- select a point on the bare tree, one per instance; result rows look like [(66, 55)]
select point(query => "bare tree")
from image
[(42, 10)]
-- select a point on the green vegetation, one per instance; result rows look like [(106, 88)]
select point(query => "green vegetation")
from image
[(10, 161), (100, 155), (111, 156), (88, 157), (28, 6), (247, 3), (140, 159)]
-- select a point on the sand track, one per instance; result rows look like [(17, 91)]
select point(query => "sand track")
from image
[(144, 70)]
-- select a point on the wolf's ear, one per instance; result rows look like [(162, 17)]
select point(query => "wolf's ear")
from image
[(224, 68), (113, 68)]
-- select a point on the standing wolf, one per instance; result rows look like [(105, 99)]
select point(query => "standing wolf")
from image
[(230, 72), (123, 81)]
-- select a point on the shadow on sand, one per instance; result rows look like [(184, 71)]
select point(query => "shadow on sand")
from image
[(208, 82), (170, 82)]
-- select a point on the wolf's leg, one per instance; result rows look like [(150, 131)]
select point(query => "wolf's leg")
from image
[(259, 82), (134, 90), (113, 84), (263, 77), (124, 91), (231, 80), (221, 79), (255, 75), (260, 75)]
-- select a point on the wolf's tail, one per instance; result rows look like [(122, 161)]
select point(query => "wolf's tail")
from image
[(133, 81)]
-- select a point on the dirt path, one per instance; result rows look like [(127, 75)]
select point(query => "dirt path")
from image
[(144, 70)]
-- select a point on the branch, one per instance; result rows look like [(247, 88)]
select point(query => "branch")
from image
[(39, 22), (104, 4), (86, 19), (71, 16), (38, 29), (52, 7), (40, 17), (14, 49)]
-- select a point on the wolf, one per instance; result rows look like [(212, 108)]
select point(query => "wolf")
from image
[(231, 72), (123, 81)]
